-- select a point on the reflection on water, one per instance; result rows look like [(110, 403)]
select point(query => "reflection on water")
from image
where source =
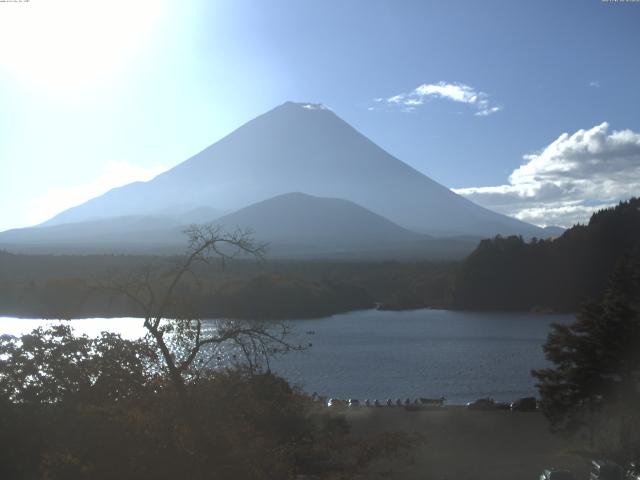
[(129, 328), (375, 354)]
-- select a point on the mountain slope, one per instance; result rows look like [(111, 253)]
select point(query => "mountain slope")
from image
[(300, 217), (295, 225), (304, 148), (132, 233)]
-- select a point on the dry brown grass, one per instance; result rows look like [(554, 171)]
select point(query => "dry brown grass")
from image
[(471, 445)]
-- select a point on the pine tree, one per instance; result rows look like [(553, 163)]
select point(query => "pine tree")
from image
[(597, 358)]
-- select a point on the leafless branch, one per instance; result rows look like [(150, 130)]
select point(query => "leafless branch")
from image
[(154, 291)]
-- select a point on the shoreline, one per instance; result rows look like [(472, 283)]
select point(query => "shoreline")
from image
[(378, 307)]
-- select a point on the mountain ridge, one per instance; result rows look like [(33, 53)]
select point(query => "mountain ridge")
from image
[(298, 215), (293, 225), (311, 150)]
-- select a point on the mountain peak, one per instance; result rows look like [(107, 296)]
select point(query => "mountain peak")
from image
[(297, 216), (302, 147), (303, 106)]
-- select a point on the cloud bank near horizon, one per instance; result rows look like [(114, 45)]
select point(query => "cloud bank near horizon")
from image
[(569, 179)]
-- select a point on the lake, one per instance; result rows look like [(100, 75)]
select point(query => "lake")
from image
[(380, 354)]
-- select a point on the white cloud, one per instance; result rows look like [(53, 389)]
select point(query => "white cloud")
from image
[(455, 92), (487, 111), (396, 99), (114, 174), (569, 179), (594, 84)]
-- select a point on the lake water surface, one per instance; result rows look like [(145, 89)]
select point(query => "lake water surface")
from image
[(377, 355)]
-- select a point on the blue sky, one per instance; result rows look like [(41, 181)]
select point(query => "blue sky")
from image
[(476, 95)]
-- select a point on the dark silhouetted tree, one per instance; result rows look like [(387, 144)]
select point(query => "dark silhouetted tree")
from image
[(175, 324), (52, 365), (597, 358), (559, 274)]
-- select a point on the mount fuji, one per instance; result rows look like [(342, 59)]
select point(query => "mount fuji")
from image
[(294, 147)]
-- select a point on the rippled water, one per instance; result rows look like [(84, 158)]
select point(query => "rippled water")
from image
[(376, 354)]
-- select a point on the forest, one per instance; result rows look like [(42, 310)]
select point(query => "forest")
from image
[(550, 275), (73, 407), (75, 286)]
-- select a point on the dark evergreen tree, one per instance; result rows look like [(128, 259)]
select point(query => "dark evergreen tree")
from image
[(596, 359)]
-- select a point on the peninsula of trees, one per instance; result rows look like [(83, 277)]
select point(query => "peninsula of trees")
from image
[(509, 273)]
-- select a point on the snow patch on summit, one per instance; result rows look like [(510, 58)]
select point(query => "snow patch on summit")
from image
[(315, 106)]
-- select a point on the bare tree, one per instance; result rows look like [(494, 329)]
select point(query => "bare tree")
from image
[(186, 345)]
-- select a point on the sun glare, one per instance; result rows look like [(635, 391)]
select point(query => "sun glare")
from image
[(74, 44), (114, 174)]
